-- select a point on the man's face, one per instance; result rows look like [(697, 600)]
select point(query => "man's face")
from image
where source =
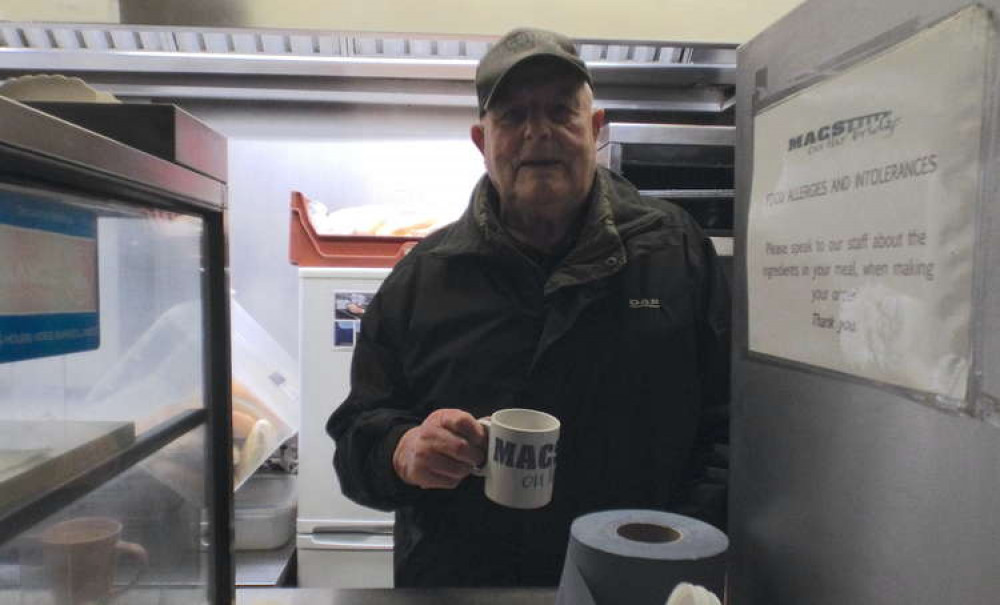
[(539, 138)]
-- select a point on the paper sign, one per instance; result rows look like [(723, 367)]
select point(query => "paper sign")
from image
[(48, 277), (862, 213)]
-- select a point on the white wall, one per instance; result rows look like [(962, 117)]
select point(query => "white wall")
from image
[(70, 11), (678, 20), (340, 155)]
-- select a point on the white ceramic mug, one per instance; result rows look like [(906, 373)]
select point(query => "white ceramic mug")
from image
[(521, 461), (81, 556)]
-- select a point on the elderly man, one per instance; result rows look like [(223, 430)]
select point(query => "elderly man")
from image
[(562, 290)]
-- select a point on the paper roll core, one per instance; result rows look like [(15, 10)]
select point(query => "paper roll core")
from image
[(649, 533)]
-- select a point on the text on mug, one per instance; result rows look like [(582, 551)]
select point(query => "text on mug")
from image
[(523, 456)]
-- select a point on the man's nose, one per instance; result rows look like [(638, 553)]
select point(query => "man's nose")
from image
[(537, 126)]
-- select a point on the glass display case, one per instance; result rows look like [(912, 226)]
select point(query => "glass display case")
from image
[(115, 449)]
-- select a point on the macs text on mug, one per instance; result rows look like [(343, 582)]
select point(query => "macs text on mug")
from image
[(523, 456)]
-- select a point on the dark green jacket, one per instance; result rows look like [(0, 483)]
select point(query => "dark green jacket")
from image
[(625, 341)]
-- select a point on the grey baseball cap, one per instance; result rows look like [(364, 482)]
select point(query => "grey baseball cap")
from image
[(517, 46)]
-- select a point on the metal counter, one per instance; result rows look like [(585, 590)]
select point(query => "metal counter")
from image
[(397, 596)]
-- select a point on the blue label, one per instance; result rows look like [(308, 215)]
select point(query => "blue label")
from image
[(30, 336), (49, 302), (31, 212)]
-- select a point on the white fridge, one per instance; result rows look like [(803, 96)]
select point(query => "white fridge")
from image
[(339, 543)]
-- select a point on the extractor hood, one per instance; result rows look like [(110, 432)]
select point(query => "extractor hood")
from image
[(174, 61)]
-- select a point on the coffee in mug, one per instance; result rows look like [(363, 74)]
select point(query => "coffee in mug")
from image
[(520, 463), (81, 556)]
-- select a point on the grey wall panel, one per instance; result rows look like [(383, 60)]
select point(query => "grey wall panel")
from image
[(856, 496), (844, 492)]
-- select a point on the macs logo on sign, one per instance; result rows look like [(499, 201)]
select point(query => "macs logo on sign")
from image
[(847, 130)]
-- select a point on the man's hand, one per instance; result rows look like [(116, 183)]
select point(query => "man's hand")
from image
[(442, 451)]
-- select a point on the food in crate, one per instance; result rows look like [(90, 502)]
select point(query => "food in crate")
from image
[(378, 219)]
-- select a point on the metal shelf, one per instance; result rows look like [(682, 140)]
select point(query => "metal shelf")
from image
[(667, 134), (688, 194), (147, 61), (29, 512)]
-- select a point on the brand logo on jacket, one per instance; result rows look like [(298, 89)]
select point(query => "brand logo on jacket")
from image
[(644, 303)]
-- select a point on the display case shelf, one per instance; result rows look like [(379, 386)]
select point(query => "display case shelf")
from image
[(49, 493)]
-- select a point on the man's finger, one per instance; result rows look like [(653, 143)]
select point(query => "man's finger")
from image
[(445, 466), (464, 424), (443, 440), (459, 449), (432, 480), (467, 427)]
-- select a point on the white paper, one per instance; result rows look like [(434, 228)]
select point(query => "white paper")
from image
[(691, 594), (861, 223)]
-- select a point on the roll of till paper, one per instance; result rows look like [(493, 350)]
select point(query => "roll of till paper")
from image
[(638, 557)]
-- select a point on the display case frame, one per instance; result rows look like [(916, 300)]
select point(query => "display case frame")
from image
[(40, 151)]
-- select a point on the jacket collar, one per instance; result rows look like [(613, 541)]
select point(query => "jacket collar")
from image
[(599, 250)]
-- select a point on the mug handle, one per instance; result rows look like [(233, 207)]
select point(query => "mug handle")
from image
[(480, 471), (131, 549)]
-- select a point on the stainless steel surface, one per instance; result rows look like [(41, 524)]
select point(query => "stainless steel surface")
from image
[(263, 567), (435, 96), (398, 596), (690, 164), (32, 130), (667, 134), (341, 67), (411, 68), (610, 156), (699, 54), (264, 511), (662, 74), (160, 129), (236, 37), (238, 64), (687, 193), (352, 79), (678, 98), (843, 492), (382, 92)]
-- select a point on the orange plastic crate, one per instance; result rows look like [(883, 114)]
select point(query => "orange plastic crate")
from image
[(307, 248)]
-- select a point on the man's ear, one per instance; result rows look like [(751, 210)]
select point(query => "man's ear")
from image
[(478, 135), (597, 121)]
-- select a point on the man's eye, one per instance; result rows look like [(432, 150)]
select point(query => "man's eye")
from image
[(561, 113), (512, 116)]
